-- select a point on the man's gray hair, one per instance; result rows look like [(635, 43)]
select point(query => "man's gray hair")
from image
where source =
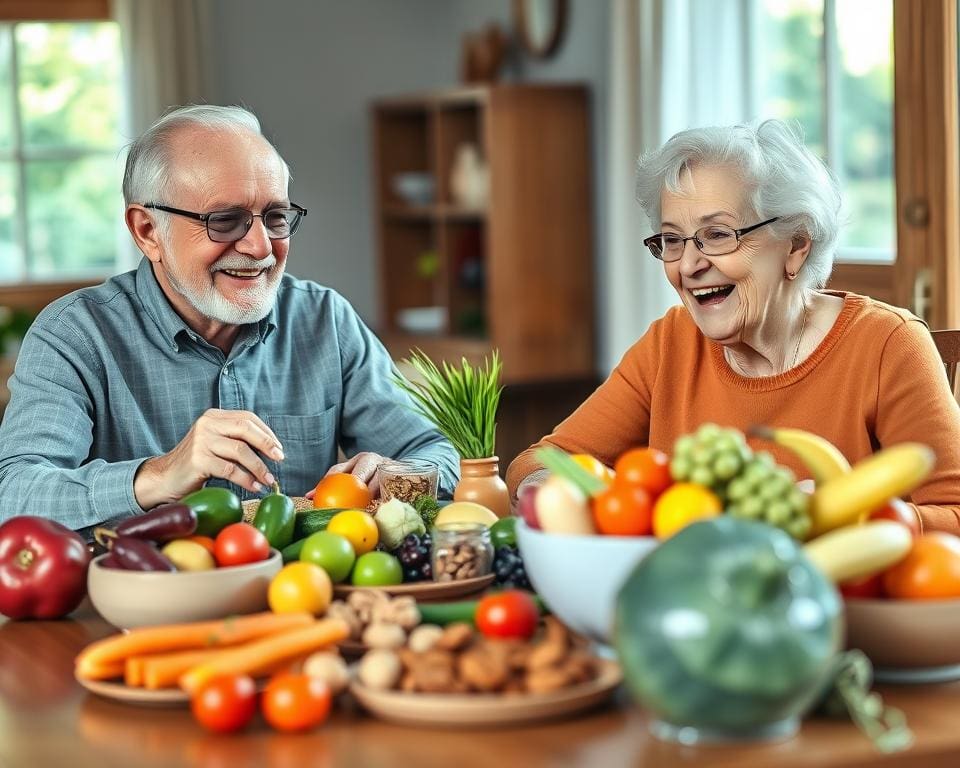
[(147, 175), (783, 179)]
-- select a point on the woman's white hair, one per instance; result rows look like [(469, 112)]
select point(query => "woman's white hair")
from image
[(147, 176), (784, 179)]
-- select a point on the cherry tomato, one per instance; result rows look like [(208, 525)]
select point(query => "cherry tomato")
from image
[(646, 467), (931, 570), (508, 614), (225, 704), (240, 543), (623, 510), (869, 587), (900, 512), (295, 702)]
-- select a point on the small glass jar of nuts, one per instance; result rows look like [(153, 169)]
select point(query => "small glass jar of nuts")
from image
[(407, 479), (461, 551)]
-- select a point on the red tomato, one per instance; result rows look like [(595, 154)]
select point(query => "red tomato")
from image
[(509, 614), (623, 510), (869, 587), (646, 467), (295, 702), (240, 543), (931, 570), (900, 512), (225, 704)]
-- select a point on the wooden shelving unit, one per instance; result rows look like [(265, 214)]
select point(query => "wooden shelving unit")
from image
[(516, 275)]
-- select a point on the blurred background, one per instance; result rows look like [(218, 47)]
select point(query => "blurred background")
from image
[(467, 164)]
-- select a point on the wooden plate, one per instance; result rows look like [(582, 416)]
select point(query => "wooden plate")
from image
[(488, 709), (165, 697), (425, 590)]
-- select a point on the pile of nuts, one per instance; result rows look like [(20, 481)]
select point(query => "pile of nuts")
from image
[(375, 618), (407, 487), (459, 660), (460, 561)]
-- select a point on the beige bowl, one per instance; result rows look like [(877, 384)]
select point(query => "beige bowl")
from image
[(905, 634), (130, 599)]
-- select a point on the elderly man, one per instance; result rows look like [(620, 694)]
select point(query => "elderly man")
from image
[(206, 364)]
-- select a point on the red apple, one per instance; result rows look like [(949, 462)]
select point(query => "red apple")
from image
[(870, 587), (900, 512), (526, 507)]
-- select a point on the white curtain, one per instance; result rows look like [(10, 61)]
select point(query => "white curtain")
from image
[(674, 64), (164, 47)]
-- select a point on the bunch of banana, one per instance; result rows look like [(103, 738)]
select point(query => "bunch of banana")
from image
[(820, 456)]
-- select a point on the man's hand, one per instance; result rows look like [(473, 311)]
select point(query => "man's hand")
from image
[(224, 444), (363, 465)]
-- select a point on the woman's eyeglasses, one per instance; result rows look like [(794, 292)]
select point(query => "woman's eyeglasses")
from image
[(712, 240)]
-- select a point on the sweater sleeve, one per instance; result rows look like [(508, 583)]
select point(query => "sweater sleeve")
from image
[(914, 403), (614, 418)]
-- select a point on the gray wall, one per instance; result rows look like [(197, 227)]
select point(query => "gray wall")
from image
[(310, 68)]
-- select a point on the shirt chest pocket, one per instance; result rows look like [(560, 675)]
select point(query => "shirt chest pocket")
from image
[(309, 447)]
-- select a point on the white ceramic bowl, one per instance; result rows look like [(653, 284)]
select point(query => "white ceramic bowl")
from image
[(422, 319), (414, 188), (579, 576), (130, 599), (905, 634)]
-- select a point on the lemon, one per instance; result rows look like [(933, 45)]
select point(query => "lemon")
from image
[(357, 527), (682, 504)]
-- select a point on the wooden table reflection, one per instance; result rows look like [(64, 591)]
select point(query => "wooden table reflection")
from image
[(47, 719)]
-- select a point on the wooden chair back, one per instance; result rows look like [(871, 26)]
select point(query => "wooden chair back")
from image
[(948, 345)]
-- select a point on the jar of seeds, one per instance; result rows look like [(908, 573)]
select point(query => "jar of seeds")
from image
[(461, 551), (406, 479)]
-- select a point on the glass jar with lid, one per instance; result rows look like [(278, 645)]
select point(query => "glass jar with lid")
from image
[(461, 551), (408, 479)]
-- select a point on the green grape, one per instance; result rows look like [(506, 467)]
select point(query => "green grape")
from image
[(738, 489), (684, 446), (751, 508), (799, 501), (799, 527), (708, 432), (728, 443), (702, 476), (778, 513), (765, 459), (726, 466), (702, 456), (756, 473), (771, 489), (680, 468)]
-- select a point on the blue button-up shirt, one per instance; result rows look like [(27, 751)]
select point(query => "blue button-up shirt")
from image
[(110, 376)]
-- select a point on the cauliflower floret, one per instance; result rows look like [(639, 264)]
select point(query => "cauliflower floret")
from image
[(396, 520)]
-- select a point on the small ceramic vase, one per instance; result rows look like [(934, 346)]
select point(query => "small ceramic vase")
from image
[(480, 482)]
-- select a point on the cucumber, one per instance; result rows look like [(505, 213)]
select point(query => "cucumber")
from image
[(291, 552), (465, 610), (313, 520)]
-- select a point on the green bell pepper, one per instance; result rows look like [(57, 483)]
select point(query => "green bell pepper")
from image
[(275, 518), (216, 508)]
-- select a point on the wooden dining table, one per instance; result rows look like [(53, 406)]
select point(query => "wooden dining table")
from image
[(48, 719)]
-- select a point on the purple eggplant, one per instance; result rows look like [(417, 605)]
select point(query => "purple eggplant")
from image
[(160, 524), (139, 555)]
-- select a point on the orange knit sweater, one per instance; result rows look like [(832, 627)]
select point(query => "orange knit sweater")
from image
[(876, 379)]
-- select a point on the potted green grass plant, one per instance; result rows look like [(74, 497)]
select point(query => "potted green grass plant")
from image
[(462, 403)]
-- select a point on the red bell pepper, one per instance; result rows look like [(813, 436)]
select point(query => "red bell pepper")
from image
[(43, 568)]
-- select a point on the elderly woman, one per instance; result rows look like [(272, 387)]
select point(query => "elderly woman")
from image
[(746, 221)]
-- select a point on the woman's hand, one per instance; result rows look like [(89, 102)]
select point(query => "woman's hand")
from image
[(224, 444)]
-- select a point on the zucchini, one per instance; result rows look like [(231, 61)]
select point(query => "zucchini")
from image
[(313, 520), (291, 552), (465, 610)]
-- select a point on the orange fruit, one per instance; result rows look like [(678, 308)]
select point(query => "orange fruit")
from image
[(682, 504), (357, 527), (931, 570), (300, 587), (622, 510), (646, 467), (341, 489), (594, 466)]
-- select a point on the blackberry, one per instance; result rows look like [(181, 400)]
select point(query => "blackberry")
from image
[(508, 570)]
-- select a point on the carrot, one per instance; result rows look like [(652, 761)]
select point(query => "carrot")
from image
[(176, 637), (262, 656), (133, 671), (162, 670), (102, 671)]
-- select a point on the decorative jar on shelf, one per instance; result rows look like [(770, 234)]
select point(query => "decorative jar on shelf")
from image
[(480, 482)]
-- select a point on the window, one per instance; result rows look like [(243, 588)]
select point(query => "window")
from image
[(828, 64), (61, 160)]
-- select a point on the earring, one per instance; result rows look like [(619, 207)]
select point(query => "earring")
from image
[(791, 275)]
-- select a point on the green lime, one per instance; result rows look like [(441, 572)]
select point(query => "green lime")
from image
[(330, 551), (503, 533), (377, 569)]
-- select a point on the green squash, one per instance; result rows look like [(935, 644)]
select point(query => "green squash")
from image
[(726, 627)]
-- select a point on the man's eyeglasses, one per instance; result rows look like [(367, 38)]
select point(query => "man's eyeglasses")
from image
[(232, 225), (712, 240)]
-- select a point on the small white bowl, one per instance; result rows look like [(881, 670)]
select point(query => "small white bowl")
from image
[(130, 599), (414, 188), (579, 576)]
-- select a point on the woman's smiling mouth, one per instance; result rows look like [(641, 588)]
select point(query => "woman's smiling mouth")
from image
[(715, 294)]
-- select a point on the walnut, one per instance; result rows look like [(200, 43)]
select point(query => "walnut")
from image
[(340, 610), (363, 601), (402, 611), (380, 669), (483, 669), (546, 680), (424, 637), (455, 637), (382, 635), (433, 672)]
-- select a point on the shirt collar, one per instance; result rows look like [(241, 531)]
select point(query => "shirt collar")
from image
[(171, 325)]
